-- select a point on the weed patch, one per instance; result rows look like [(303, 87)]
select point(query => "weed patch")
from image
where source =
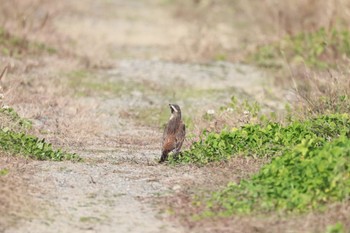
[(323, 93), (318, 49), (308, 177), (31, 146), (10, 118), (336, 228), (260, 140), (4, 171)]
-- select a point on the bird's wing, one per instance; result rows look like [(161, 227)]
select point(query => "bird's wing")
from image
[(180, 136), (168, 143), (165, 134)]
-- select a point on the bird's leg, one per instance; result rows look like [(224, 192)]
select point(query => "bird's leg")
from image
[(176, 153), (163, 157)]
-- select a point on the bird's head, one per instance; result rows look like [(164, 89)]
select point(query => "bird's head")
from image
[(175, 109)]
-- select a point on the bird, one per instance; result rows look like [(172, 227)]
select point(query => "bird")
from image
[(174, 133)]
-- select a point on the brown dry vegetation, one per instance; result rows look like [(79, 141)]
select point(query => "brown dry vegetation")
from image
[(14, 191), (321, 93), (312, 222), (230, 29), (36, 87)]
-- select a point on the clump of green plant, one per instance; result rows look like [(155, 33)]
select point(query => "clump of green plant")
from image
[(336, 228), (10, 118), (307, 177), (11, 45), (31, 146), (318, 49), (4, 171), (261, 140)]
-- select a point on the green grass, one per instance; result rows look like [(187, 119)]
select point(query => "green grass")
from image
[(307, 177), (4, 171), (318, 49), (86, 82), (259, 140), (336, 228), (31, 146), (89, 219)]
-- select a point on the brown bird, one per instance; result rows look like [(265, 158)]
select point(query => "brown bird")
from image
[(174, 133)]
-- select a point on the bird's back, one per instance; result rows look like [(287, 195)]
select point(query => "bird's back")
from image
[(173, 136), (169, 137)]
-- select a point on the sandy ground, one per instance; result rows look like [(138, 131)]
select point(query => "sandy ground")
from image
[(114, 189)]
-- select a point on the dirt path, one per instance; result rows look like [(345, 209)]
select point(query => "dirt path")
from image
[(108, 191), (111, 190)]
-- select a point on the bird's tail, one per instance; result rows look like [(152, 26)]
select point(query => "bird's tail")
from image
[(163, 157)]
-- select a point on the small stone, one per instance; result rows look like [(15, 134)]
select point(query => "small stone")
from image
[(177, 187), (211, 112)]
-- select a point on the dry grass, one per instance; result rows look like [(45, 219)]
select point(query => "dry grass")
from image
[(229, 30), (320, 92), (39, 92), (2, 90), (61, 119), (29, 19), (20, 23), (35, 86), (312, 222), (15, 202), (278, 18)]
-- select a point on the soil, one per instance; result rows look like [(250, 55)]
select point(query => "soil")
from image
[(102, 101)]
